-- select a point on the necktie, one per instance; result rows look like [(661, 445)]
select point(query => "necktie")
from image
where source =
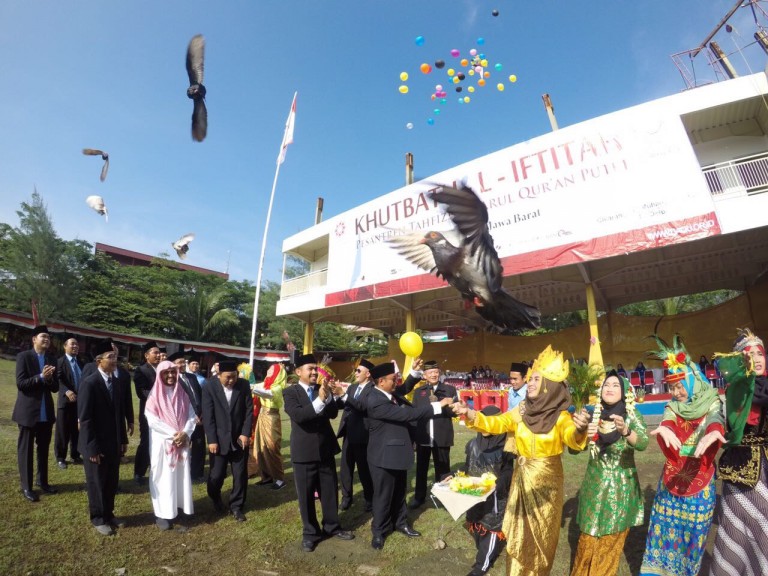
[(394, 401), (311, 392), (357, 392), (109, 386), (76, 373)]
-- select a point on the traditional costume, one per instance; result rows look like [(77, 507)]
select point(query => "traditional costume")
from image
[(610, 500), (168, 412), (682, 510), (741, 546), (268, 435), (542, 427)]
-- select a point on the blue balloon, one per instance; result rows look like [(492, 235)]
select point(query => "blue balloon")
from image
[(431, 121), (480, 41), (419, 40)]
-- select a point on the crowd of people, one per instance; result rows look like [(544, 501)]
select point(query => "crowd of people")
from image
[(183, 416)]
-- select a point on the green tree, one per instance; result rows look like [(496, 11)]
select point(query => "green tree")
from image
[(204, 315), (38, 266)]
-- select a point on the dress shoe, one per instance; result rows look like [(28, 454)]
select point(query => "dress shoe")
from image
[(47, 488), (345, 504), (408, 531), (344, 535), (163, 524), (278, 485), (77, 460), (238, 515), (369, 506), (62, 464), (139, 479), (264, 482), (104, 529), (30, 495), (118, 523), (377, 543), (308, 546), (218, 505), (414, 504)]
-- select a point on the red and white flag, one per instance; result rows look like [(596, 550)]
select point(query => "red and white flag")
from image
[(288, 136)]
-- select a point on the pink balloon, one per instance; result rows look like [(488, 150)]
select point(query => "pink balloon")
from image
[(479, 69), (473, 52), (455, 53), (438, 88)]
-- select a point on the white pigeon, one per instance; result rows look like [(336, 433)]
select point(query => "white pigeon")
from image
[(97, 203), (182, 245)]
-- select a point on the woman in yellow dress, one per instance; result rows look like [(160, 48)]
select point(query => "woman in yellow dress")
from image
[(542, 428)]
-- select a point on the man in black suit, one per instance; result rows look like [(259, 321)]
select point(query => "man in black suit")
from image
[(197, 440), (434, 438), (354, 430), (313, 450), (103, 439), (34, 412), (124, 377), (228, 416), (390, 452), (69, 371), (143, 380)]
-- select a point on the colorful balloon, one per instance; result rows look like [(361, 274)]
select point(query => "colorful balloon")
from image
[(494, 12), (403, 89), (460, 76), (403, 76), (439, 63), (436, 111), (513, 78), (451, 71), (443, 100), (464, 62), (431, 122), (459, 88), (455, 53), (480, 41), (410, 342), (473, 52), (486, 74), (466, 99), (481, 82), (455, 80), (470, 89), (439, 88), (425, 68), (498, 66), (484, 63), (419, 40), (500, 87), (409, 125)]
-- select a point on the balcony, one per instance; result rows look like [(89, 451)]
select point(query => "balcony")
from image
[(303, 284), (741, 177)]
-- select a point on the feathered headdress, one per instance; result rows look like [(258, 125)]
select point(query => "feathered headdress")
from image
[(745, 338), (551, 365)]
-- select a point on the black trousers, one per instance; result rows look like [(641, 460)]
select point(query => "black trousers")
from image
[(101, 483), (141, 463), (39, 435), (321, 477), (355, 455), (66, 434), (442, 459), (197, 452), (237, 460), (489, 547), (388, 500)]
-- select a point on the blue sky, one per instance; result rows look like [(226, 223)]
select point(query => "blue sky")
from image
[(111, 75)]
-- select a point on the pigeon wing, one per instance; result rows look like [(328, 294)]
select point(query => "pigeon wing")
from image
[(104, 169), (199, 120), (93, 152), (195, 58), (412, 247), (470, 215)]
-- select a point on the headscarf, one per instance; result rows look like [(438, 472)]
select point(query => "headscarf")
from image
[(540, 414), (172, 409), (607, 410), (276, 376)]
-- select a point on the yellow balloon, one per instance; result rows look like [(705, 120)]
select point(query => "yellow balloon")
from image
[(513, 78), (411, 344), (500, 87), (484, 63), (466, 99), (403, 76), (471, 89), (471, 72), (455, 80), (403, 89), (451, 71)]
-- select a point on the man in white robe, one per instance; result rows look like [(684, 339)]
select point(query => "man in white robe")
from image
[(171, 419)]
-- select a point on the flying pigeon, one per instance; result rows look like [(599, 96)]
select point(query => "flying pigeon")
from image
[(97, 203), (196, 90), (471, 266), (104, 156), (182, 245)]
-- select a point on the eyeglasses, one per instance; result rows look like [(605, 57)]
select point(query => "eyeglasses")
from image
[(358, 370)]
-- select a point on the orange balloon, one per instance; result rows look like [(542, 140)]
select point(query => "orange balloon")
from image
[(481, 82), (425, 68), (486, 74)]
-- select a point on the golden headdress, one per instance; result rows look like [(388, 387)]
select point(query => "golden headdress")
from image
[(551, 365), (745, 339)]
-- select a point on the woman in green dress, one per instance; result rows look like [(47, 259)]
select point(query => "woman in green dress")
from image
[(610, 501)]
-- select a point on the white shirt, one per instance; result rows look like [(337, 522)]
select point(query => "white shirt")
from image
[(318, 403)]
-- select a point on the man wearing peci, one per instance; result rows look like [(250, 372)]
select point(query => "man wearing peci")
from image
[(390, 452), (34, 412), (143, 380), (313, 450), (517, 385), (434, 437), (69, 372), (103, 439), (191, 386), (354, 430)]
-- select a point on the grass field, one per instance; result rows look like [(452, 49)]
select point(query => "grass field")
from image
[(54, 536)]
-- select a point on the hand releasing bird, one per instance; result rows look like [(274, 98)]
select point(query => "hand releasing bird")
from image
[(196, 90), (182, 245), (104, 156), (472, 267), (97, 203)]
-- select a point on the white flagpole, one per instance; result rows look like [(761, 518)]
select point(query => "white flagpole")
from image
[(283, 144)]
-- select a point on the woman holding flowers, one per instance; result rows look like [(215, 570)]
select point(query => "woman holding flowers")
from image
[(542, 427), (610, 501), (690, 434)]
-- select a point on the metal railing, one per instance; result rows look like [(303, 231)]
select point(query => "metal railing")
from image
[(743, 176), (303, 284)]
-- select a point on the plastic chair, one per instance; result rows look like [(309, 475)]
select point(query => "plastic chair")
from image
[(634, 379), (650, 381)]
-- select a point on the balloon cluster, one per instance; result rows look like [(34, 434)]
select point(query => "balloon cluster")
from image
[(467, 75)]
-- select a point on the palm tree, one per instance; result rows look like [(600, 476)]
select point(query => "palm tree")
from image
[(204, 316)]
